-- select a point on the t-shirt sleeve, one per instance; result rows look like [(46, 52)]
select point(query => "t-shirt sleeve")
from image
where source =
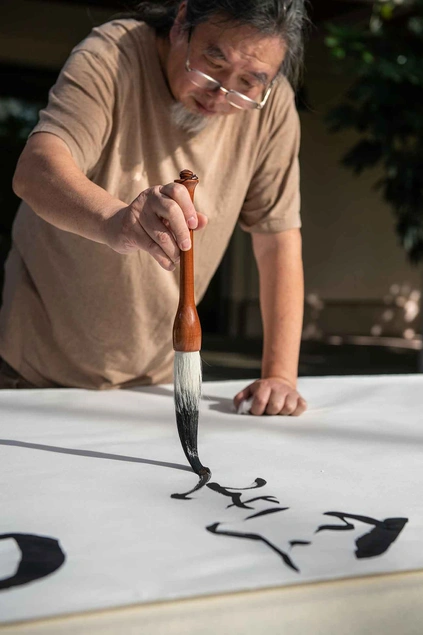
[(80, 106), (272, 203)]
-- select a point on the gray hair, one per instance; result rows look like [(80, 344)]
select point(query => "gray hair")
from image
[(284, 19)]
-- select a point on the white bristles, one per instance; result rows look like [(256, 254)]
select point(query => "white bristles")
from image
[(187, 378), (245, 406)]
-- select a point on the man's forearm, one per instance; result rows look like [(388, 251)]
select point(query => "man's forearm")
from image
[(48, 179), (280, 268)]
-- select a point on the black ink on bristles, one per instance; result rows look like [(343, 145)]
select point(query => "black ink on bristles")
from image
[(187, 377), (204, 475)]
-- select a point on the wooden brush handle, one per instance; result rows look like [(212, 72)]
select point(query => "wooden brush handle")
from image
[(186, 327)]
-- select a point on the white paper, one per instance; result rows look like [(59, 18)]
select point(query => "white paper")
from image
[(95, 471)]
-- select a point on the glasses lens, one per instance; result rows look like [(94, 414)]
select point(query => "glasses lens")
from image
[(241, 101), (202, 81)]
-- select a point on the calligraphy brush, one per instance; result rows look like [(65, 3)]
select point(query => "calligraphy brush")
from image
[(187, 345)]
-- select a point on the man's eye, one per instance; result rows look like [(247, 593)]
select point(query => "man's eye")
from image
[(247, 85), (211, 63)]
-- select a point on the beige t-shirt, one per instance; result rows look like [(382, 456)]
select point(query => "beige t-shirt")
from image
[(75, 313)]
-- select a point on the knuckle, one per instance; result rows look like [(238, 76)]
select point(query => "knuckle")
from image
[(171, 190), (156, 190), (289, 408), (142, 202), (272, 410), (169, 210), (162, 238)]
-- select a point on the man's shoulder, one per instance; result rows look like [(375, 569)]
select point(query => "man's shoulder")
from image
[(280, 110), (116, 39), (283, 94)]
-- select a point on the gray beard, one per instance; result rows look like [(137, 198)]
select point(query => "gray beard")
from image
[(186, 120)]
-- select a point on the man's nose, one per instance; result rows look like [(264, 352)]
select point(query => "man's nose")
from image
[(217, 94)]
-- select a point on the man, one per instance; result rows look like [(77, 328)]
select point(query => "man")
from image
[(91, 288)]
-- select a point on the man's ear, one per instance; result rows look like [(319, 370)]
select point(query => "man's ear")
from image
[(177, 28)]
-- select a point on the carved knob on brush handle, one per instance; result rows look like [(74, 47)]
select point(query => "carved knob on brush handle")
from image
[(187, 174)]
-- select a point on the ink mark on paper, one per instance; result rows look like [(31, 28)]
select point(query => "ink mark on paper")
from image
[(235, 495), (375, 542), (267, 511), (40, 556), (236, 534)]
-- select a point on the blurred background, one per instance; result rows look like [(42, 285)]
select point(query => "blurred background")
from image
[(361, 109)]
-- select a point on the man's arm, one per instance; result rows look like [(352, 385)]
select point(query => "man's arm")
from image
[(279, 262), (157, 221), (48, 179)]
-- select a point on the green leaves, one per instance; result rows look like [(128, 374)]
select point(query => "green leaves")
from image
[(384, 105), (365, 154)]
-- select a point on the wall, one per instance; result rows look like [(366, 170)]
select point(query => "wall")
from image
[(42, 34)]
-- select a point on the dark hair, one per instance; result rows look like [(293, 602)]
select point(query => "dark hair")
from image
[(285, 19)]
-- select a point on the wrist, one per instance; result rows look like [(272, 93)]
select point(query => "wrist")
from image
[(287, 378), (109, 223)]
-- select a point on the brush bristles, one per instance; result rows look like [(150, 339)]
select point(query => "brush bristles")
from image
[(187, 377)]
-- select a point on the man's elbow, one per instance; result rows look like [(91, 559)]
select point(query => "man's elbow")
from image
[(42, 150), (20, 177)]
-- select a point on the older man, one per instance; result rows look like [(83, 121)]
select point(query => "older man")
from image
[(91, 288)]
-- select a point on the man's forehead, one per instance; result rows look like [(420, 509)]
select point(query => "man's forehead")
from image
[(220, 40), (216, 52)]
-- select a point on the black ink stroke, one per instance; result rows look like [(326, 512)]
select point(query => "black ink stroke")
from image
[(346, 527), (375, 542), (294, 543), (235, 534), (235, 496), (268, 499), (379, 539), (41, 556), (273, 510), (258, 482)]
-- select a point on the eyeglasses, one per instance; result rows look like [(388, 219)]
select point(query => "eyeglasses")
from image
[(236, 99)]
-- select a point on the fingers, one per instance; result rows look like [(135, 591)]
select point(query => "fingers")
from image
[(301, 407), (158, 221), (271, 397), (291, 404), (166, 214), (127, 235), (202, 220), (162, 243), (179, 211), (261, 399)]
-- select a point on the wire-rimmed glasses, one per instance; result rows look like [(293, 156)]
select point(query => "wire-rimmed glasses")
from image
[(236, 99)]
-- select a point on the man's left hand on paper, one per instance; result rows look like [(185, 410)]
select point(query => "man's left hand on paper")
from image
[(272, 396)]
